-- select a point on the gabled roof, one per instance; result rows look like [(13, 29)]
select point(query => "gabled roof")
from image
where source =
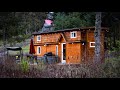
[(62, 35)]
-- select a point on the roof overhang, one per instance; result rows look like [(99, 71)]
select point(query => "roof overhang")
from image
[(72, 29), (46, 43), (14, 48)]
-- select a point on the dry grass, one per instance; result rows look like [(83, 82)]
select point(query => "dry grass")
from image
[(109, 69)]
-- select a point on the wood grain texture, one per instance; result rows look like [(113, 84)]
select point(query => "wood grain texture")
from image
[(76, 52)]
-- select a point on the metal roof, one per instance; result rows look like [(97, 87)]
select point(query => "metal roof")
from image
[(14, 48)]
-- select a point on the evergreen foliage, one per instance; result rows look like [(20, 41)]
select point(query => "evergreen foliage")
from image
[(17, 26)]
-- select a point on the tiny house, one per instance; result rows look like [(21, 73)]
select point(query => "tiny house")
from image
[(73, 45)]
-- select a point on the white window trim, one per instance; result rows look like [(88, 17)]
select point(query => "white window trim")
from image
[(91, 44), (71, 34), (40, 37), (56, 49), (38, 49)]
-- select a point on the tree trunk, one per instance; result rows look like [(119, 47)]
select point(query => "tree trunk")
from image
[(97, 37)]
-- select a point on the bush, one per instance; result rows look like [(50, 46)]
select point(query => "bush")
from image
[(24, 65), (112, 67)]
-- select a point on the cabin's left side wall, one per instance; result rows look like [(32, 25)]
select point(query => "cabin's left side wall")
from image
[(50, 38)]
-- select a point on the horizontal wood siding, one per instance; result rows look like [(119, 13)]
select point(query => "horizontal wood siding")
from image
[(83, 46), (75, 52), (47, 38), (43, 50), (91, 50), (54, 37), (51, 48), (67, 34)]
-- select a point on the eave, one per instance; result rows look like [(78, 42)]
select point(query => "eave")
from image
[(45, 43), (72, 29)]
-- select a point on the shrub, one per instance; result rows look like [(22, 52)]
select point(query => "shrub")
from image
[(109, 69), (112, 67), (24, 65)]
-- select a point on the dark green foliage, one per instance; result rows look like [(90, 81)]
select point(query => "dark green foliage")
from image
[(14, 26), (22, 23), (74, 20), (24, 65), (112, 20)]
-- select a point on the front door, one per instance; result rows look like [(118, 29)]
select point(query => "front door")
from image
[(63, 53)]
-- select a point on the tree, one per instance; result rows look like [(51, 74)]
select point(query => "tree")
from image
[(97, 36), (14, 24), (112, 20), (65, 20)]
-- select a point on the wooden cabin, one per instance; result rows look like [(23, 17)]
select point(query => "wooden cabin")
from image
[(74, 45)]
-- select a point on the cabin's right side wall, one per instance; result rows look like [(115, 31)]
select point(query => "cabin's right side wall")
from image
[(90, 51)]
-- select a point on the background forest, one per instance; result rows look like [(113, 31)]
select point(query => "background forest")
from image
[(18, 26)]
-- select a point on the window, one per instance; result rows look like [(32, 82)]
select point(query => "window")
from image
[(92, 44), (73, 34), (38, 38), (38, 50)]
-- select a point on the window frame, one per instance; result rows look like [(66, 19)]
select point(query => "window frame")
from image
[(38, 49), (73, 32), (56, 50), (39, 36), (91, 44)]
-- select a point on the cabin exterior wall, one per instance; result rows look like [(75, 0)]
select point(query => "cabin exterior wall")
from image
[(76, 52)]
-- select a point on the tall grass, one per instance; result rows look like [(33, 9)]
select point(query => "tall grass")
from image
[(109, 69), (24, 65), (26, 48)]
